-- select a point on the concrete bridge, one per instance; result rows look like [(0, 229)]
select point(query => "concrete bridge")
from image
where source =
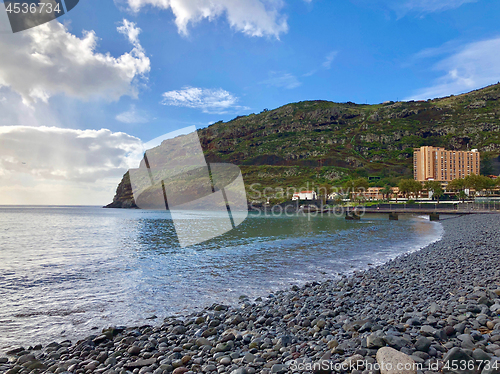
[(393, 214)]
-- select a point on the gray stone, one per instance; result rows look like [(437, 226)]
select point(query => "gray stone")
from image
[(279, 369), (427, 330), (240, 371), (421, 355), (433, 308), (396, 342), (25, 358), (459, 328), (466, 341), (224, 347), (225, 360), (423, 344), (140, 363), (101, 357), (493, 367), (234, 320), (91, 365), (16, 350), (285, 340), (454, 358), (249, 357), (395, 362), (110, 361), (374, 341), (179, 330), (134, 350), (417, 358), (480, 355), (203, 341)]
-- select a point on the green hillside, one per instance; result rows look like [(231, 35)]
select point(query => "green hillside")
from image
[(324, 142)]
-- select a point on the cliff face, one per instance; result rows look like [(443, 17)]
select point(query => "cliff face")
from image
[(325, 142), (124, 198)]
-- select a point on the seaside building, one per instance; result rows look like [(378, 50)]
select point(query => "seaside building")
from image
[(375, 194), (434, 163), (305, 195)]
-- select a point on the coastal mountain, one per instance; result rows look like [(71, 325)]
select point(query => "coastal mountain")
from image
[(322, 142)]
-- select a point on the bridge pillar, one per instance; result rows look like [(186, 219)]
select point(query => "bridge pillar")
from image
[(393, 217), (434, 217)]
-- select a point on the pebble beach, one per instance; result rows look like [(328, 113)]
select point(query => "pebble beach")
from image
[(435, 310)]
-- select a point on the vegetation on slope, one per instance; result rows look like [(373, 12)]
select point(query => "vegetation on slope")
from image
[(321, 142)]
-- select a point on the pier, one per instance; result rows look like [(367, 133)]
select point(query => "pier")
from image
[(393, 213)]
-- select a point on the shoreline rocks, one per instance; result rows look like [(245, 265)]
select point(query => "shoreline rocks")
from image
[(436, 309)]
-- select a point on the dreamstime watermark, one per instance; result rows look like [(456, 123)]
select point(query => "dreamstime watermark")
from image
[(25, 14), (205, 200)]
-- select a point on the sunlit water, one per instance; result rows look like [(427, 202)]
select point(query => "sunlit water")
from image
[(66, 270)]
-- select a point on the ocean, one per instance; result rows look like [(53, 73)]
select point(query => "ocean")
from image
[(68, 272)]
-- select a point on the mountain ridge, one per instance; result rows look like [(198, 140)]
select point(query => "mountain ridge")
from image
[(325, 142)]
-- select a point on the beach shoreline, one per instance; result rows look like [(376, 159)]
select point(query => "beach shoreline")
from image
[(423, 304)]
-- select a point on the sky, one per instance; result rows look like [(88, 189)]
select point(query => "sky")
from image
[(80, 94)]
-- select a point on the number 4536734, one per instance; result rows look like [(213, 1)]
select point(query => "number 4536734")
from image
[(455, 365), (26, 8)]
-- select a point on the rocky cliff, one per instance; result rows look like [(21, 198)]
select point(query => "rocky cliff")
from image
[(124, 197), (324, 142)]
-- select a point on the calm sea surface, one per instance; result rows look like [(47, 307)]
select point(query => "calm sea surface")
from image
[(66, 270)]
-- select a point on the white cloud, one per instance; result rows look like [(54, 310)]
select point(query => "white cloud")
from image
[(473, 66), (15, 112), (430, 6), (51, 165), (251, 17), (329, 59), (282, 80), (413, 7), (132, 32), (132, 116), (53, 153), (48, 60), (327, 64), (208, 100)]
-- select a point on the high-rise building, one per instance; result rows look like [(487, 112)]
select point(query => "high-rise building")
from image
[(434, 163)]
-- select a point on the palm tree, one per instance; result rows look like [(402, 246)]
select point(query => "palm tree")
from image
[(386, 192), (489, 185), (323, 191), (405, 187), (459, 185), (435, 188), (338, 199), (349, 188), (462, 195), (416, 187), (357, 185)]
